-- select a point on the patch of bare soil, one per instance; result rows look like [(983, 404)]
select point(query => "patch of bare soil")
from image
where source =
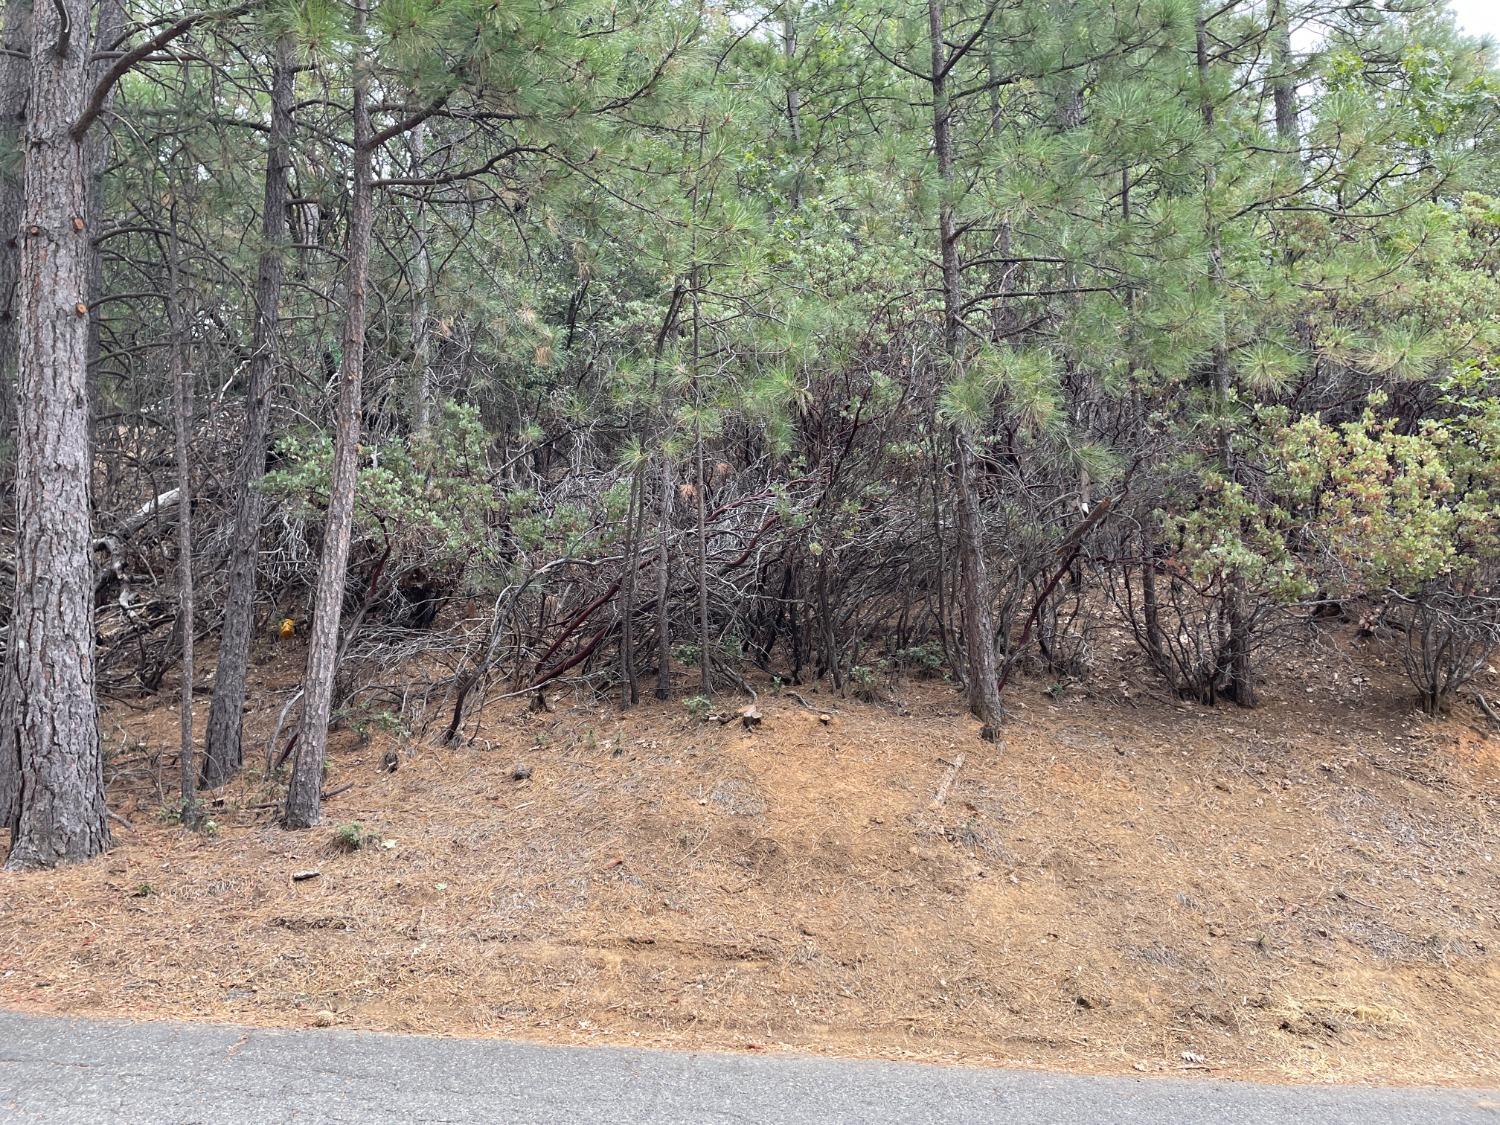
[(1307, 891)]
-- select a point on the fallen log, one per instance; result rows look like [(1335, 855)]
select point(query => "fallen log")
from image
[(112, 544)]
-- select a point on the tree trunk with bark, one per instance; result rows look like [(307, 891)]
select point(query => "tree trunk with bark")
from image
[(705, 659), (979, 630), (1239, 659), (109, 23), (15, 89), (421, 294), (304, 794), (634, 515), (1283, 80), (789, 15), (182, 415), (49, 727), (223, 752), (663, 587)]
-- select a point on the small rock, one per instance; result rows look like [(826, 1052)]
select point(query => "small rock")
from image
[(304, 876), (520, 772)]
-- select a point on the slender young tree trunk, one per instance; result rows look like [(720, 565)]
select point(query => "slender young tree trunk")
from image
[(222, 749), (304, 794), (421, 286), (705, 659), (1283, 81), (1150, 603), (663, 588), (705, 665), (789, 15), (1241, 666), (182, 414), (109, 24), (664, 519), (936, 460), (979, 630), (49, 725), (629, 689)]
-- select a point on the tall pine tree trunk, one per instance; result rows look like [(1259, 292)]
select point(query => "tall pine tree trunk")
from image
[(979, 630), (49, 727), (222, 748), (1239, 659), (304, 794), (15, 89)]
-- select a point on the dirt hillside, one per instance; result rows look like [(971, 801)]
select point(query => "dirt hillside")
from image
[(1308, 891)]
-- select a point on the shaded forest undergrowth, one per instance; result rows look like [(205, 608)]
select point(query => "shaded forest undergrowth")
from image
[(1127, 883)]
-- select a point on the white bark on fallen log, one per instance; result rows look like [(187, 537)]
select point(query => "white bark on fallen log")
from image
[(112, 545)]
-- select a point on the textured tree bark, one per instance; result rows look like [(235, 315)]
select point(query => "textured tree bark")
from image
[(15, 87), (979, 629), (223, 752), (1283, 81), (109, 23), (182, 416), (304, 794), (49, 725)]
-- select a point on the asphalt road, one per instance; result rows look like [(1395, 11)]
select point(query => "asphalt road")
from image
[(105, 1073)]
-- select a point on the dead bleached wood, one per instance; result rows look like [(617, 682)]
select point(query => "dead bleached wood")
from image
[(947, 782), (133, 524), (112, 544), (1484, 705)]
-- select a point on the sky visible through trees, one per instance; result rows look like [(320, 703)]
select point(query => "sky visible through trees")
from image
[(1478, 17)]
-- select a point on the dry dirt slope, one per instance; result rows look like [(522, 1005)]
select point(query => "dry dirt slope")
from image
[(1309, 891)]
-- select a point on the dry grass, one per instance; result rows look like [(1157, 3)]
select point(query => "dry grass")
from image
[(1308, 891)]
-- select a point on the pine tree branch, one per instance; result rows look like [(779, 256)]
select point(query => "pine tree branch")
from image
[(123, 65)]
